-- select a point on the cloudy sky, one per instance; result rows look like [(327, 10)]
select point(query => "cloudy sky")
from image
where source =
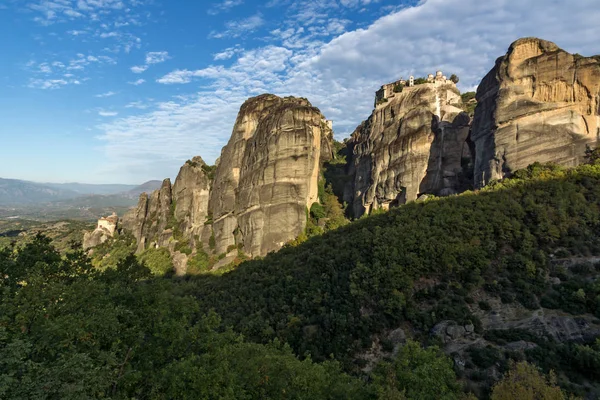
[(123, 91)]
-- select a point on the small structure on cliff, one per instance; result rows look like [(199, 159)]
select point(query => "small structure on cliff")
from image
[(389, 90), (106, 228)]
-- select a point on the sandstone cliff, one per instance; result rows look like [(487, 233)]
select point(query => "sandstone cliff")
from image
[(257, 198), (267, 176), (539, 103), (411, 144)]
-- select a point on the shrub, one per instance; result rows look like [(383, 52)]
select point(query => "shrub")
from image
[(157, 260)]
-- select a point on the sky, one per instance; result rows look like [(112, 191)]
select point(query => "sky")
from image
[(124, 91)]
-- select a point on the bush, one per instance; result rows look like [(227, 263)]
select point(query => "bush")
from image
[(523, 381), (199, 263), (157, 260), (317, 211)]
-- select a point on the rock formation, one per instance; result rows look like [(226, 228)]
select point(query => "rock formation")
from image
[(539, 103), (256, 199), (267, 176), (413, 143), (150, 219), (105, 229)]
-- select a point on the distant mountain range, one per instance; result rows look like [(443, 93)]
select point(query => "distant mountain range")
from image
[(18, 193)]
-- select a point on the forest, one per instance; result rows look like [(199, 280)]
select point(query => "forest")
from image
[(298, 323)]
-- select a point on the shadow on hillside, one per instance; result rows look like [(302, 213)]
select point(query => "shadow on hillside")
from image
[(450, 164)]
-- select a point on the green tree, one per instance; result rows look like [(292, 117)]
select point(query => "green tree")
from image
[(419, 373), (157, 260), (525, 382)]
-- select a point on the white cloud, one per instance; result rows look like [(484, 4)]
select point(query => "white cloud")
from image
[(138, 82), (237, 28), (103, 113), (227, 53), (47, 83), (224, 6), (137, 104), (107, 94), (156, 57), (138, 69), (339, 75)]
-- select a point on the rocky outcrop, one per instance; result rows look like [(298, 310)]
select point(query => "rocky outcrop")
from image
[(174, 212), (413, 143), (105, 230), (539, 103), (150, 219), (267, 176), (255, 200)]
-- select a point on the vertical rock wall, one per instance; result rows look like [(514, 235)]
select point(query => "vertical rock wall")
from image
[(265, 180), (411, 144), (267, 175), (539, 103)]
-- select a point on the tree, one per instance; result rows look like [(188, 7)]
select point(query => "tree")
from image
[(523, 381), (592, 155), (417, 373), (454, 78), (398, 88)]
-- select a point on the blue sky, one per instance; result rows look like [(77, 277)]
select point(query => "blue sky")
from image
[(123, 91)]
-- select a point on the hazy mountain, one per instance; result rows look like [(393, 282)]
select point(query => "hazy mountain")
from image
[(86, 188), (19, 193), (147, 187), (15, 192)]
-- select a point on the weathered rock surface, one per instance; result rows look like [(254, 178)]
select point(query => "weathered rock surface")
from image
[(150, 218), (267, 175), (265, 180), (539, 103), (412, 144), (191, 193)]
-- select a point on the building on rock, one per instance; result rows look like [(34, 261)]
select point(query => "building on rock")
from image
[(106, 228), (389, 90)]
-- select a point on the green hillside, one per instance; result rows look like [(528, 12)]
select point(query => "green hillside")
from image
[(522, 245)]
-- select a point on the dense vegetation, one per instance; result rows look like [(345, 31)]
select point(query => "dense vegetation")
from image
[(70, 331), (63, 233), (334, 296)]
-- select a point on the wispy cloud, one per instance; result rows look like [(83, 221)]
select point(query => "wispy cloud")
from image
[(239, 27), (107, 94), (227, 53), (224, 6), (103, 113), (57, 74), (137, 82), (138, 69), (153, 57), (156, 57), (338, 72)]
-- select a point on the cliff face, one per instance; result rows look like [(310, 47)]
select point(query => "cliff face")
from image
[(149, 220), (411, 144), (256, 199), (539, 103), (267, 175)]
